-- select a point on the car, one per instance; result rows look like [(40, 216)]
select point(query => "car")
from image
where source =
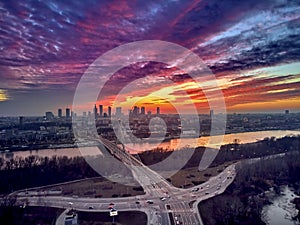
[(149, 201), (91, 207), (137, 202), (206, 193), (163, 198), (176, 218), (195, 189)]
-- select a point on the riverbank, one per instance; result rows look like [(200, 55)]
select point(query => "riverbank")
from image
[(244, 200), (281, 209), (175, 144)]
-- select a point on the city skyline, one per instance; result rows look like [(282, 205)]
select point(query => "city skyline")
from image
[(251, 47)]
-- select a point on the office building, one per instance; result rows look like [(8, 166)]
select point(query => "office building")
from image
[(59, 113), (157, 110), (95, 111), (109, 111), (118, 111), (135, 110), (49, 115), (143, 110), (100, 110), (68, 113)]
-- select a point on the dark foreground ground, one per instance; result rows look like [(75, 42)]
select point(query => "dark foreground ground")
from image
[(47, 216)]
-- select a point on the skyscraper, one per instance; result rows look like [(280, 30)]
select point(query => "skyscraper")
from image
[(143, 110), (68, 113), (118, 111), (157, 110), (135, 110), (100, 110), (109, 111), (95, 111), (59, 113), (49, 115)]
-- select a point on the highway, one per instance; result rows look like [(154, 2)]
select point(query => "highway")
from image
[(161, 199)]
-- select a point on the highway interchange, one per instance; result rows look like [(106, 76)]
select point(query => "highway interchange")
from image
[(163, 203)]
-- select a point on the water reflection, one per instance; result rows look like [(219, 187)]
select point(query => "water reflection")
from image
[(170, 145)]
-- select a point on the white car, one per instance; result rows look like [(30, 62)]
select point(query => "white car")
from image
[(163, 198)]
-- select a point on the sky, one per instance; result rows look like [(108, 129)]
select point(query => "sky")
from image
[(251, 47)]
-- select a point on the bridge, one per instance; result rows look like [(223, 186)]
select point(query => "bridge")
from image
[(163, 203)]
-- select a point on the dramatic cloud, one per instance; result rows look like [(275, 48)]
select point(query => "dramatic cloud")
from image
[(47, 45)]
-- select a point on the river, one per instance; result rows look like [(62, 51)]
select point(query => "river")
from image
[(281, 211), (246, 137)]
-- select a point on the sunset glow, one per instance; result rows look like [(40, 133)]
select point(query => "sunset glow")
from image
[(251, 47)]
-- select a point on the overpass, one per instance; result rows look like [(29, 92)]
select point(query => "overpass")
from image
[(163, 203), (169, 199)]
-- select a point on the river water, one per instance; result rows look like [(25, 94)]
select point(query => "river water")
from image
[(246, 137), (281, 211)]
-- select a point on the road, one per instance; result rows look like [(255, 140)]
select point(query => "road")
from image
[(162, 202)]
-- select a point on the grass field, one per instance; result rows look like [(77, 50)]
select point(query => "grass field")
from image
[(103, 188), (96, 187), (190, 177)]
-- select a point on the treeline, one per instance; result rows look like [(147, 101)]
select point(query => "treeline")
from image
[(244, 199), (230, 152), (33, 171)]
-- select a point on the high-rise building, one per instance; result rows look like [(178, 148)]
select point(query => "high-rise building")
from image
[(143, 110), (118, 111), (109, 111), (100, 110), (135, 110), (59, 113), (49, 115), (95, 111), (68, 113), (73, 114), (211, 113), (287, 111), (157, 110)]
